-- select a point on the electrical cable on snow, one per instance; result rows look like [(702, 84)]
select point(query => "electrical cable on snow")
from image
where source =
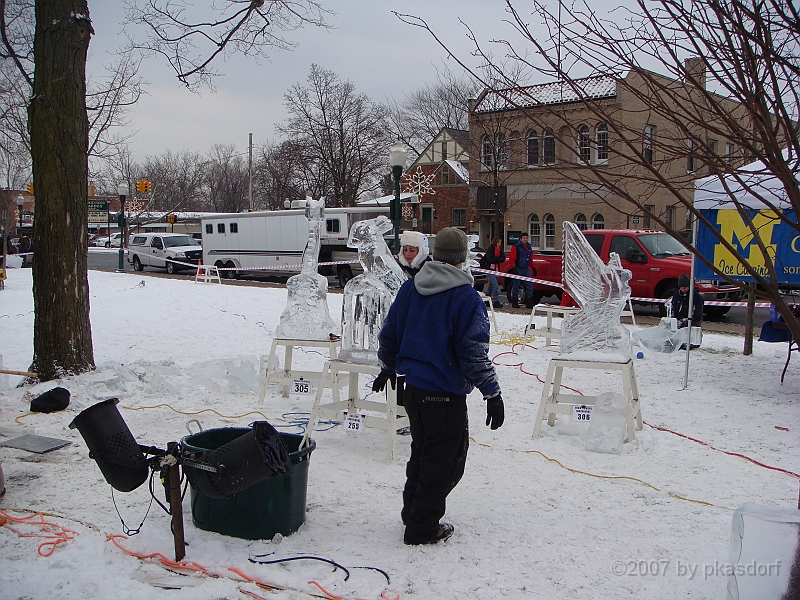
[(55, 533)]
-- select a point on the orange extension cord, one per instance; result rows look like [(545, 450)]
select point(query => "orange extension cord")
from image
[(55, 534)]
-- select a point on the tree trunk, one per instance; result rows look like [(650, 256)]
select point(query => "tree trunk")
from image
[(62, 338)]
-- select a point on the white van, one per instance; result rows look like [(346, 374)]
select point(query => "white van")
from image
[(172, 251)]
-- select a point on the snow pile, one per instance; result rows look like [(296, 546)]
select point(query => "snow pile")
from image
[(526, 526)]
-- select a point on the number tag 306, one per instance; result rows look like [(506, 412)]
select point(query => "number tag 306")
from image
[(582, 413), (301, 386), (354, 423)]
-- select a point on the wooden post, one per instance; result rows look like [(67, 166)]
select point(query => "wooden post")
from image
[(748, 319), (175, 505)]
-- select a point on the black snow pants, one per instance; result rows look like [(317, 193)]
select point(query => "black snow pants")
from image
[(439, 442)]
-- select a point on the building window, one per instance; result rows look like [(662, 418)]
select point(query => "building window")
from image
[(445, 176), (601, 138), (534, 232), (459, 217), (209, 228), (690, 156), (669, 215), (730, 151), (649, 209), (486, 152), (234, 228), (598, 222), (712, 155), (502, 149), (549, 232), (220, 227), (549, 148), (533, 147), (649, 136), (580, 221), (444, 151), (584, 144)]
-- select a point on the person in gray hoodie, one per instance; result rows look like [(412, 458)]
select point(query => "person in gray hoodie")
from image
[(437, 334)]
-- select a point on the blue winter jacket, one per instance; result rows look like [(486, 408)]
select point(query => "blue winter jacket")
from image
[(437, 333), (521, 255)]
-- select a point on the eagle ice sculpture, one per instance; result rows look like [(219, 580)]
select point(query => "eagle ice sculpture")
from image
[(601, 291)]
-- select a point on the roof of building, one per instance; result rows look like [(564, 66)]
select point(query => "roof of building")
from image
[(459, 169), (459, 135), (557, 92)]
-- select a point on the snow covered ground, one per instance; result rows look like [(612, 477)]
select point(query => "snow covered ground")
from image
[(525, 526)]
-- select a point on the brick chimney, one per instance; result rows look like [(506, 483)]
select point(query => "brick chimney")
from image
[(695, 71)]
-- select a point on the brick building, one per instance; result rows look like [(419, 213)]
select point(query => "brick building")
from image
[(540, 154), (443, 170)]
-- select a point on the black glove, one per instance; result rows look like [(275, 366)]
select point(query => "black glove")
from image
[(380, 381), (495, 414)]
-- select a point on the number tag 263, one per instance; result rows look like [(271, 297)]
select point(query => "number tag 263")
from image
[(354, 423)]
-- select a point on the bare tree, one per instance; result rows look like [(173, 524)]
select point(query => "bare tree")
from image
[(226, 179), (735, 102), (344, 134), (178, 181), (191, 37), (281, 174), (48, 46), (422, 113)]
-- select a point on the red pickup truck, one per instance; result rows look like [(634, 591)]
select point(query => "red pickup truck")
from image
[(655, 259)]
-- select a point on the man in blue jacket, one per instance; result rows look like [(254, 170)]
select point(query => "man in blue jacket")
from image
[(520, 257), (437, 334)]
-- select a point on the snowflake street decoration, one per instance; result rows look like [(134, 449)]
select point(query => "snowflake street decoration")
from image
[(135, 207), (419, 183)]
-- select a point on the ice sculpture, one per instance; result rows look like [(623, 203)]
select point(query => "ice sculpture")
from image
[(368, 296), (601, 291), (306, 316), (666, 337), (764, 555), (472, 257), (608, 428)]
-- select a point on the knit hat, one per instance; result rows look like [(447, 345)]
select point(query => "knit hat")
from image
[(450, 246), (418, 240), (683, 280)]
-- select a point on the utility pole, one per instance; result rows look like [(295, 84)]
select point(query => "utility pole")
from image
[(250, 176)]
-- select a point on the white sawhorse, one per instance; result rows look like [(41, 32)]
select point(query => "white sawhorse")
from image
[(553, 402), (335, 410), (550, 332), (207, 274), (488, 301), (285, 377)]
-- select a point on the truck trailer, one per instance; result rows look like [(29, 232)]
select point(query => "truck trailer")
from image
[(272, 242)]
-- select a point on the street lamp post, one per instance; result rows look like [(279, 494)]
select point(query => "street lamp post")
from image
[(122, 190), (20, 199), (397, 160)]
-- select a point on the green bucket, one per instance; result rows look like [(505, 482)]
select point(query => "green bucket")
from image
[(273, 505)]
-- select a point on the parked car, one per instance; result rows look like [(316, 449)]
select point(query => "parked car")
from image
[(171, 251), (115, 241)]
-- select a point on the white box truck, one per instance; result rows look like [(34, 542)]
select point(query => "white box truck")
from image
[(267, 241)]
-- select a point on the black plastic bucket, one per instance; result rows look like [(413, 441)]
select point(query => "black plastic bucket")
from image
[(112, 445), (273, 505)]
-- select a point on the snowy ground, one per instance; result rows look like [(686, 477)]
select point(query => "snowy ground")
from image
[(525, 526)]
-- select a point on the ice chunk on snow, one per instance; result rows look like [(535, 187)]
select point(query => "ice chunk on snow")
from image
[(608, 428)]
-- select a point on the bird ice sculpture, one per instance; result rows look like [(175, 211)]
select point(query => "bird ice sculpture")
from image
[(368, 296), (601, 291), (306, 316)]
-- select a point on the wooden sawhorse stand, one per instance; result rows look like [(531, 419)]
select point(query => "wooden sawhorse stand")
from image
[(555, 403), (207, 274), (335, 410), (285, 377)]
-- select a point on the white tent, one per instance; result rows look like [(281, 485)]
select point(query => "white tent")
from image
[(757, 183)]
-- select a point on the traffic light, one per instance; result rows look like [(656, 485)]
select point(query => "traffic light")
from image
[(171, 218), (30, 189), (143, 186)]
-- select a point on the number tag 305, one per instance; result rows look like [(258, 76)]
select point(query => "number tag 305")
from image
[(582, 413), (354, 423), (301, 386)]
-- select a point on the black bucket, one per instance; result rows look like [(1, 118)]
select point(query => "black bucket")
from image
[(255, 453), (273, 505), (112, 445)]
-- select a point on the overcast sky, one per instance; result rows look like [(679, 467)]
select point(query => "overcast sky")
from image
[(367, 45)]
